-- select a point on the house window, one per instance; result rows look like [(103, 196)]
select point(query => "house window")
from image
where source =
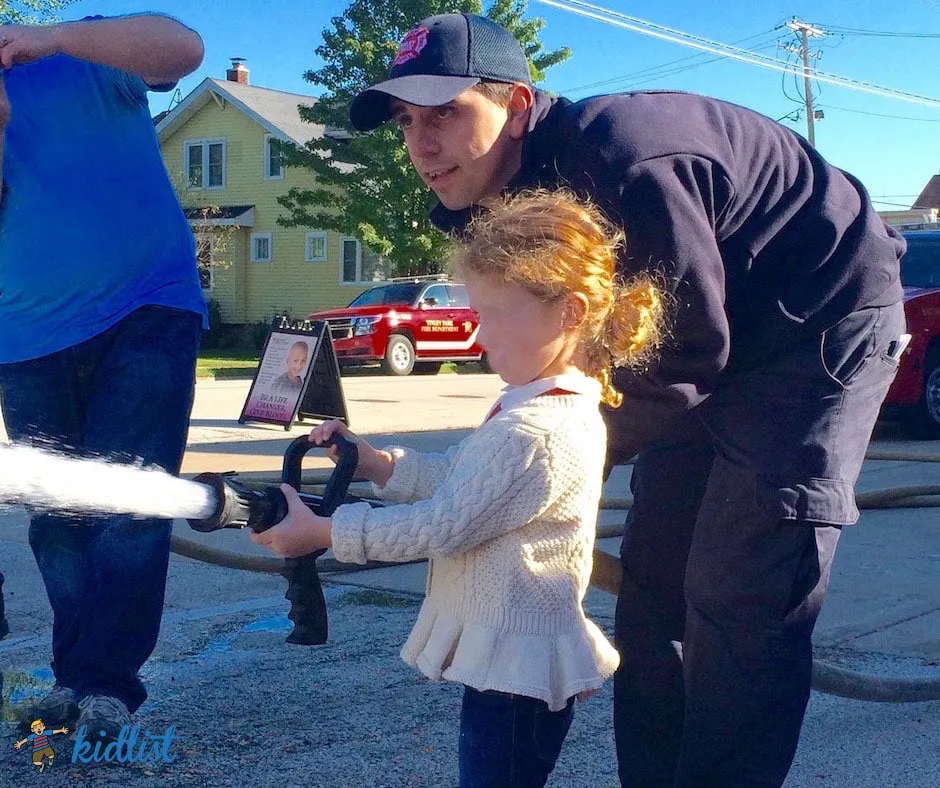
[(315, 247), (204, 261), (261, 247), (273, 158), (204, 161), (352, 253), (373, 267), (361, 266)]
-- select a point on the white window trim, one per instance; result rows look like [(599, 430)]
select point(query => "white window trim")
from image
[(210, 239), (267, 160), (342, 261), (308, 257), (251, 249), (205, 143)]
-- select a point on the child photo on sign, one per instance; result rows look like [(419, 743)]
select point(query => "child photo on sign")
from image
[(291, 381), (279, 381)]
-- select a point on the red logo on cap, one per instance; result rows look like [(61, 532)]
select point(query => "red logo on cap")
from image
[(411, 45)]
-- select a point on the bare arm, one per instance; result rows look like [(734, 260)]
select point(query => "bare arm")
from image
[(156, 48), (4, 119)]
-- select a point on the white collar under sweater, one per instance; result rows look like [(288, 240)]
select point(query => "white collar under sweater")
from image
[(515, 395)]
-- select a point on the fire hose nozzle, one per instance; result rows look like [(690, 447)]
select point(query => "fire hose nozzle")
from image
[(232, 503), (237, 506)]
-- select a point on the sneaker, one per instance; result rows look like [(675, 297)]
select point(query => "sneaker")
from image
[(56, 710), (102, 716)]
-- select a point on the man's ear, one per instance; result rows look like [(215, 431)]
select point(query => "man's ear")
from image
[(520, 107)]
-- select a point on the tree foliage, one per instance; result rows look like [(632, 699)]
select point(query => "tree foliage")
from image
[(18, 12), (365, 184)]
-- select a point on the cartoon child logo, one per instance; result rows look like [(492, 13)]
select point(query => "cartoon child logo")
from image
[(411, 45), (43, 754)]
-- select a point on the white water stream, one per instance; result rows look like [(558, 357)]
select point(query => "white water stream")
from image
[(46, 480)]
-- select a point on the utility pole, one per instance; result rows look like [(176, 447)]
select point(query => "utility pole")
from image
[(805, 30)]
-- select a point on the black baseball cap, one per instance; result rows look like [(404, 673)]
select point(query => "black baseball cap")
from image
[(438, 59)]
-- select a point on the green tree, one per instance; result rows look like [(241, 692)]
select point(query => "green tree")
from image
[(15, 12), (365, 184)]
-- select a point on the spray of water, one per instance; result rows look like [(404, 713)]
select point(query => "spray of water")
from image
[(42, 479)]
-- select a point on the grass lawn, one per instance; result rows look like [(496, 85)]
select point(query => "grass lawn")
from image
[(229, 364), (235, 364)]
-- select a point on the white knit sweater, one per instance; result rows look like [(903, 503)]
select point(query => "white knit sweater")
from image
[(507, 518)]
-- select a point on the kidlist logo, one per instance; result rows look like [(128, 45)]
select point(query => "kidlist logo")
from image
[(131, 746)]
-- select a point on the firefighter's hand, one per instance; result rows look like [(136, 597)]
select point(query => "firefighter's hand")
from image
[(374, 465), (299, 534)]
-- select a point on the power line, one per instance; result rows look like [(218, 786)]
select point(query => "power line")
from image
[(855, 31), (641, 79), (783, 81), (679, 70), (895, 204), (697, 60), (881, 114), (674, 36)]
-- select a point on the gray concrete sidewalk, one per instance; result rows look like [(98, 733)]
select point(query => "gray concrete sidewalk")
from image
[(252, 710)]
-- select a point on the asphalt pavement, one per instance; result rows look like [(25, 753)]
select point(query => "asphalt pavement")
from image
[(245, 708)]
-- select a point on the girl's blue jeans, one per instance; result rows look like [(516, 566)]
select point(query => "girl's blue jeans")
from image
[(509, 741)]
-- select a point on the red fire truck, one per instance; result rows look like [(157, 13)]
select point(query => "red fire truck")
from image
[(407, 325), (916, 389)]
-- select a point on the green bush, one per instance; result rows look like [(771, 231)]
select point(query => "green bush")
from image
[(257, 333), (214, 337)]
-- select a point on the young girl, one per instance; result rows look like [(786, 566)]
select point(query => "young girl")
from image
[(507, 517)]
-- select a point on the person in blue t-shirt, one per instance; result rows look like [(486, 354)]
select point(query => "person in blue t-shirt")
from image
[(101, 311)]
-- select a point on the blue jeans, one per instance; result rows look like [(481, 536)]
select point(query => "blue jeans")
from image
[(509, 741), (125, 394)]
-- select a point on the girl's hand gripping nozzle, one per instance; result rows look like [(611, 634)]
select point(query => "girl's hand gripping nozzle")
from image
[(259, 510)]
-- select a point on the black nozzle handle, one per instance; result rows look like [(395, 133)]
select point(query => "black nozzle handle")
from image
[(307, 603), (337, 485), (304, 591)]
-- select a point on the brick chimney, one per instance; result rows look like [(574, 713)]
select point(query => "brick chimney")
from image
[(238, 72)]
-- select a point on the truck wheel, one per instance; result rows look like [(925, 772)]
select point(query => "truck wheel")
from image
[(427, 367), (399, 355), (485, 364), (929, 416)]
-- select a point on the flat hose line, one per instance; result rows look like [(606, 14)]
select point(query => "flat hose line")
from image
[(827, 678)]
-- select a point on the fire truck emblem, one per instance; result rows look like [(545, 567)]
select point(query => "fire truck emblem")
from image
[(411, 45)]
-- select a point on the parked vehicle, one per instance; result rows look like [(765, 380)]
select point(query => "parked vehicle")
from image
[(916, 389), (407, 325)]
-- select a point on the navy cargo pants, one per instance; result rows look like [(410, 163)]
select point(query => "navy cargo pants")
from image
[(726, 557)]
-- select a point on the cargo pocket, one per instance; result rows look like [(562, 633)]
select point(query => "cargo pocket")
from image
[(815, 500), (852, 343)]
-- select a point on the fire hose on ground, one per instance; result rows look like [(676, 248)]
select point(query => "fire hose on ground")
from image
[(241, 506)]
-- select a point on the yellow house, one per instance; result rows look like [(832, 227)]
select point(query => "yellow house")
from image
[(217, 146)]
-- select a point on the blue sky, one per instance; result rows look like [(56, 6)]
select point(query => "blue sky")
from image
[(893, 156)]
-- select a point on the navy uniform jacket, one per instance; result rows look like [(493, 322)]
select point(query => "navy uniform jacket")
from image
[(763, 243)]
